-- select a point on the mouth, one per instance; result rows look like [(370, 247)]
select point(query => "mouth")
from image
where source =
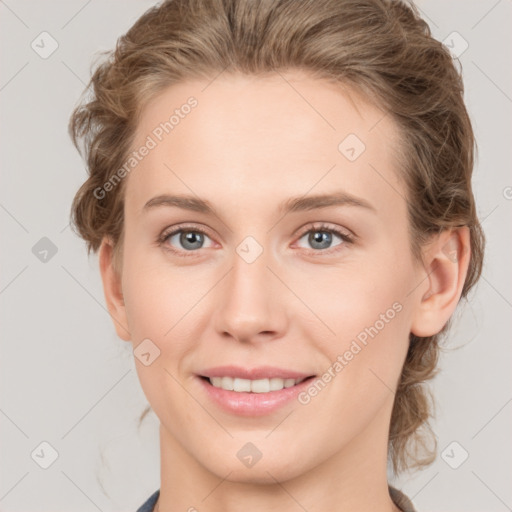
[(264, 385), (255, 391), (253, 397)]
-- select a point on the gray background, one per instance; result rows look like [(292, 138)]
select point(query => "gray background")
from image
[(67, 380)]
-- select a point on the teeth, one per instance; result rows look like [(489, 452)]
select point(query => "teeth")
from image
[(226, 383), (254, 386)]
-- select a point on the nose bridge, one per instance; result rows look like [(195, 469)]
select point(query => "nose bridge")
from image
[(248, 305)]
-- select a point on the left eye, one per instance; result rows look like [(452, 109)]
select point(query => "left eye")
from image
[(321, 239)]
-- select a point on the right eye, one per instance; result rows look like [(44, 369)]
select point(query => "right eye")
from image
[(188, 240)]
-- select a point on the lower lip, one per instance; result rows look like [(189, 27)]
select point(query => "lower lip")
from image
[(252, 404)]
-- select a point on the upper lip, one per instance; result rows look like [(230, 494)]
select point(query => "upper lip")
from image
[(261, 372)]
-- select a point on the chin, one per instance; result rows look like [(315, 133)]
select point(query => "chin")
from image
[(263, 472)]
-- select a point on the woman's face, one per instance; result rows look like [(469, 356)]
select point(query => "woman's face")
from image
[(269, 281)]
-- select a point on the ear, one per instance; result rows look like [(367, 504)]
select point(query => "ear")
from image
[(113, 290), (446, 262)]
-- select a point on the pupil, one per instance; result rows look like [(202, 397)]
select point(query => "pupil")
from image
[(317, 238), (191, 238)]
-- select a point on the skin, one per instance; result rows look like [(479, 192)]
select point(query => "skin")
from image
[(250, 144)]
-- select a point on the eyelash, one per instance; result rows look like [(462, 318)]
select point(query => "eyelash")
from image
[(321, 227)]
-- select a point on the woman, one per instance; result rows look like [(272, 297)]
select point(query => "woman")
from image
[(280, 198)]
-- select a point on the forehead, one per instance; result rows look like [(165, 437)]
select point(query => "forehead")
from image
[(240, 138)]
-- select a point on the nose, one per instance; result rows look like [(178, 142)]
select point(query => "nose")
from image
[(250, 305)]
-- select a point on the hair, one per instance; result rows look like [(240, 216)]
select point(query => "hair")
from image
[(380, 48)]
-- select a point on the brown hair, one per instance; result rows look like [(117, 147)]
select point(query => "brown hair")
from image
[(381, 48)]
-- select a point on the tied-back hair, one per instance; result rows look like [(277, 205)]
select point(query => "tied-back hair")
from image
[(380, 48)]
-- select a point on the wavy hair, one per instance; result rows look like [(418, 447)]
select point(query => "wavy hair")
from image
[(381, 48)]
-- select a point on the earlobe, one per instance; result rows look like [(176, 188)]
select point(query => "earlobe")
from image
[(446, 265), (113, 290)]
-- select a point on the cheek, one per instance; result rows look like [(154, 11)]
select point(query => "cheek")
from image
[(365, 322), (364, 358), (157, 298), (159, 307), (167, 306), (350, 298)]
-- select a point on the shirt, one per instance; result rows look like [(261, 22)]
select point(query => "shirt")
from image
[(398, 497)]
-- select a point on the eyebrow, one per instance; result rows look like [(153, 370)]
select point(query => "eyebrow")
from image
[(294, 204)]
